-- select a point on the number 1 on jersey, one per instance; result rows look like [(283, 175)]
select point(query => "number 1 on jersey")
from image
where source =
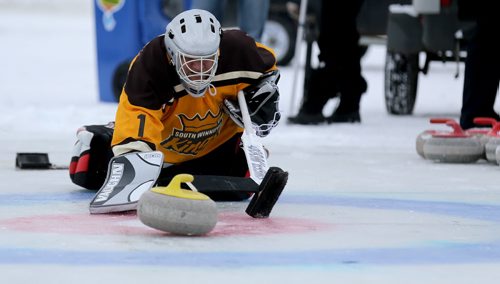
[(142, 121)]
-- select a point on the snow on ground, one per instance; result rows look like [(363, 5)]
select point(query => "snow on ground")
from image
[(360, 206)]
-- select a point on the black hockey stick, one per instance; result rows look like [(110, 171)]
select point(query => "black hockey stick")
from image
[(265, 195), (272, 180), (212, 183)]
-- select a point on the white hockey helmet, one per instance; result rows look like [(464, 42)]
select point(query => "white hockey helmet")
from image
[(192, 40)]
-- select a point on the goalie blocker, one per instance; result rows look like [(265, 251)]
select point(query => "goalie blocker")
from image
[(132, 174)]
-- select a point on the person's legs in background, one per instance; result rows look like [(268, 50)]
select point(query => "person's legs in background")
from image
[(318, 89), (482, 73), (216, 7), (252, 16), (342, 57), (341, 73)]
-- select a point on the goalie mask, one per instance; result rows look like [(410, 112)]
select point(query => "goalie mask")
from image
[(192, 40)]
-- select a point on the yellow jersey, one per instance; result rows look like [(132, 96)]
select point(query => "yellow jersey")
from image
[(156, 113)]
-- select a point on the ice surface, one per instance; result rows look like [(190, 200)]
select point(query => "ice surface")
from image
[(360, 207)]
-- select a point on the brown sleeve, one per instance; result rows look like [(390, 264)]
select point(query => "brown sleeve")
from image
[(151, 79), (239, 52)]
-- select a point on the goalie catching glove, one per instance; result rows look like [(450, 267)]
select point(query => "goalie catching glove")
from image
[(262, 101), (91, 154)]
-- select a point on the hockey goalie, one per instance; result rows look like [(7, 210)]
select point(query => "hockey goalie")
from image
[(179, 113)]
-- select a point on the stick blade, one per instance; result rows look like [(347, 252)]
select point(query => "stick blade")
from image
[(270, 190), (129, 176)]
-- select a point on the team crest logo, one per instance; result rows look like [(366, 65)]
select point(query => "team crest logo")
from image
[(195, 134), (108, 8)]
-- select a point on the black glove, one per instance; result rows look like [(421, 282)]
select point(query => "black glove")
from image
[(91, 155), (262, 101)]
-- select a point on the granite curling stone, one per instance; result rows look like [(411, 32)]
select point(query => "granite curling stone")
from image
[(453, 150), (421, 139), (178, 211), (456, 146), (490, 149)]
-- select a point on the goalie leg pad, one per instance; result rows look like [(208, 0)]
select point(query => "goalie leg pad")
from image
[(129, 176), (91, 155)]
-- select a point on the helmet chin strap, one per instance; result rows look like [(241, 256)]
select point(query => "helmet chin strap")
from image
[(211, 90)]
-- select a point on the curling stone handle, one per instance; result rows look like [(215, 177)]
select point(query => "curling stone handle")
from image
[(485, 121), (175, 184), (457, 129)]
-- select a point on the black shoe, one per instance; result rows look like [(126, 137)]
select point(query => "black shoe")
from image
[(467, 122), (351, 117), (306, 119)]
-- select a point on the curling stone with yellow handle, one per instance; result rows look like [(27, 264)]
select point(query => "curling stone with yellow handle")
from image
[(176, 210)]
